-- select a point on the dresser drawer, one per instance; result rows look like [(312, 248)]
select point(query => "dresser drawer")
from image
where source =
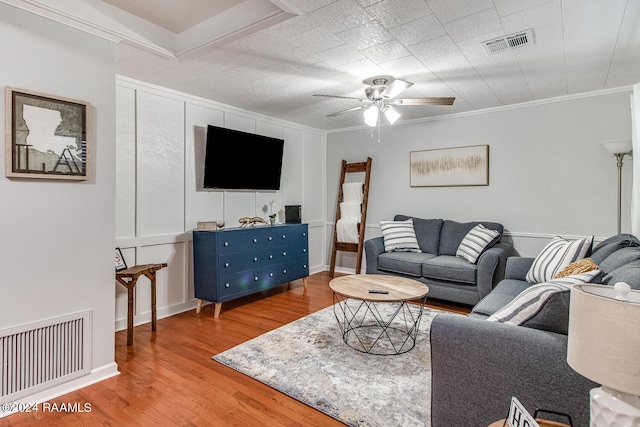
[(239, 261), (246, 240)]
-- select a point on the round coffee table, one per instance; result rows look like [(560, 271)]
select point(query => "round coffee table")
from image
[(374, 313)]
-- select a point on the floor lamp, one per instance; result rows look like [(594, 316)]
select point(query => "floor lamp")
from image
[(619, 148)]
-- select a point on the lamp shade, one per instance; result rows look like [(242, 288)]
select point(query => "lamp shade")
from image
[(618, 146), (371, 116), (604, 341)]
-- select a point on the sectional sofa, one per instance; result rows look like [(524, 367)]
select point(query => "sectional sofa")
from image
[(478, 365)]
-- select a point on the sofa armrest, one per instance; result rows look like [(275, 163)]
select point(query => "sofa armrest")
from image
[(517, 267), (491, 266), (372, 248), (477, 366)]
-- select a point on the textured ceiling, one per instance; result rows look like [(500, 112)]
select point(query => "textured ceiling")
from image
[(333, 45)]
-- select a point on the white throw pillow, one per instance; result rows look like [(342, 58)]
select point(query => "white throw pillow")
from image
[(557, 255), (531, 300), (399, 236), (477, 240)]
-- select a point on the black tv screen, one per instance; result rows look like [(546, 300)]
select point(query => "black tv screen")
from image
[(237, 160)]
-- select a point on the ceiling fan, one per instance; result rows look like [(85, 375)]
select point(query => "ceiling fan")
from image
[(381, 97)]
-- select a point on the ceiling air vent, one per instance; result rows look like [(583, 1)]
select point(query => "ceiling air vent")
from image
[(512, 41)]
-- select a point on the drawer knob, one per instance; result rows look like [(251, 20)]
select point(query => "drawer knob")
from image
[(255, 279), (226, 264), (255, 240), (304, 250), (270, 238), (255, 259), (226, 285), (226, 244), (284, 236), (284, 254), (270, 256), (304, 234), (284, 271), (270, 274), (304, 266)]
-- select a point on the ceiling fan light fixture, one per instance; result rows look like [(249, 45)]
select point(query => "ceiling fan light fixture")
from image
[(371, 116), (391, 114)]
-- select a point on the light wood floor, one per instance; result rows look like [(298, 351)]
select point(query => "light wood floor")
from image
[(169, 378)]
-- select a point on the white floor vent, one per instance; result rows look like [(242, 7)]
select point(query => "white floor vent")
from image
[(41, 355), (509, 42)]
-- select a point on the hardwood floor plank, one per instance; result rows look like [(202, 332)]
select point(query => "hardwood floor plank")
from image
[(169, 378)]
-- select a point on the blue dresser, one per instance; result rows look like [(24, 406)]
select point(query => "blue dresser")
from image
[(232, 263)]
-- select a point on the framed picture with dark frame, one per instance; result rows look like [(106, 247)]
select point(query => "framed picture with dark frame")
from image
[(45, 136), (120, 262)]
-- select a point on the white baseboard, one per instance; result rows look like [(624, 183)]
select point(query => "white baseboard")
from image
[(99, 374)]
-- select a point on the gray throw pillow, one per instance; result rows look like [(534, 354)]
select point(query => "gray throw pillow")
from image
[(427, 232)]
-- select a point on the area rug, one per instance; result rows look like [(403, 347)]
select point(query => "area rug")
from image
[(308, 360)]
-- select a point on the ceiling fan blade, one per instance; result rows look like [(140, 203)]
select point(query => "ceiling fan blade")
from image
[(340, 97), (359, 107), (396, 88), (423, 101)]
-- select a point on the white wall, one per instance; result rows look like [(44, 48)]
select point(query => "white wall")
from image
[(161, 139), (549, 174), (56, 251)]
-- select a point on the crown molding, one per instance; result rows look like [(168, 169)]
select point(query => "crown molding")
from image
[(110, 23)]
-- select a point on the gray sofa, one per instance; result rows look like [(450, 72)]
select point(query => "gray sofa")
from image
[(449, 277), (477, 366)]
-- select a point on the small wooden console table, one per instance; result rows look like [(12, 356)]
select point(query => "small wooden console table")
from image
[(128, 278)]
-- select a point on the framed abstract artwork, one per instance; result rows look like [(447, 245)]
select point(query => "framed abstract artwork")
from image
[(46, 137), (447, 167)]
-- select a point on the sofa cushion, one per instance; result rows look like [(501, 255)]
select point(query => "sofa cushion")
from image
[(477, 240), (427, 232), (453, 232), (608, 246), (542, 306), (619, 258), (557, 255), (450, 268), (629, 274), (403, 262), (399, 236), (501, 295)]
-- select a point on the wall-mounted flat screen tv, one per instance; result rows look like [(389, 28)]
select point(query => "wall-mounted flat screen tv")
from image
[(237, 160)]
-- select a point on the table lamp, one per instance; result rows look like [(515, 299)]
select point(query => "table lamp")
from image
[(604, 346)]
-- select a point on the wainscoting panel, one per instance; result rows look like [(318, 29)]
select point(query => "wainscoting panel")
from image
[(160, 165)]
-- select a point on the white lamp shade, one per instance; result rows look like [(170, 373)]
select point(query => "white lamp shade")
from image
[(371, 116), (604, 341), (618, 146)]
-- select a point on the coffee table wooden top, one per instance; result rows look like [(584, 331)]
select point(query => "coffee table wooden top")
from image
[(358, 285)]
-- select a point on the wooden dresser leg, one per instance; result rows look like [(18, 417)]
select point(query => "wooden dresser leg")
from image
[(199, 307), (216, 310), (304, 282)]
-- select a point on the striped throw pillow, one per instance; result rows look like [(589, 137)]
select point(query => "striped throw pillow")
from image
[(399, 236), (477, 240), (531, 301), (557, 255)]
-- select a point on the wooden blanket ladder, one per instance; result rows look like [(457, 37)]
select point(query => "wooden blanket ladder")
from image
[(352, 247)]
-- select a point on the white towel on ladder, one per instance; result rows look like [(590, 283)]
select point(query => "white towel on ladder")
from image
[(347, 231), (351, 211), (352, 192)]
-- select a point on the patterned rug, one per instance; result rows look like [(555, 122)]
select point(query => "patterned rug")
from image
[(308, 360)]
